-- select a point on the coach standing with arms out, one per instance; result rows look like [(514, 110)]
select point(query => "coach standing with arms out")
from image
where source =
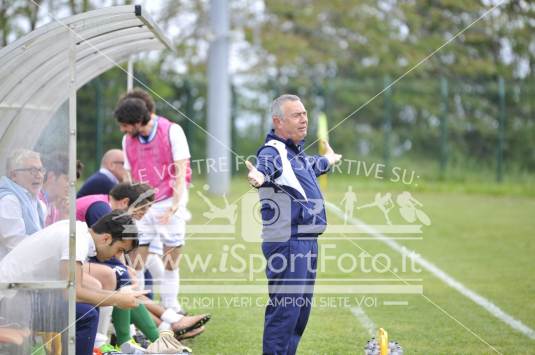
[(285, 173)]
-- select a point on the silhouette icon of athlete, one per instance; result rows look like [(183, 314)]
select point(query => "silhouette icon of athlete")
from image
[(408, 208), (384, 203), (349, 201), (228, 212)]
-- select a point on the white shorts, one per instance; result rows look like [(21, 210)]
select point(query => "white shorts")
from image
[(156, 247), (172, 234)]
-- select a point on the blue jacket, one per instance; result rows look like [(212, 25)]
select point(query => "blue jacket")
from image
[(96, 184), (307, 212)]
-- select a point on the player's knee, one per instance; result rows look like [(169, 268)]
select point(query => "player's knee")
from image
[(109, 279), (91, 282)]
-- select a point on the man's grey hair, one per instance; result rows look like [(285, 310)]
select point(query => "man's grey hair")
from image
[(276, 106), (17, 158)]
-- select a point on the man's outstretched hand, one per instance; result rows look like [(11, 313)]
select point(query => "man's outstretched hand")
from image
[(331, 156), (255, 177)]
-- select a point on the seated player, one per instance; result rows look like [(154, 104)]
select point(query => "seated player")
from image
[(48, 250), (114, 274)]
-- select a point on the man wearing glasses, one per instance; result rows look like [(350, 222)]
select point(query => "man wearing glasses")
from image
[(21, 212), (110, 174)]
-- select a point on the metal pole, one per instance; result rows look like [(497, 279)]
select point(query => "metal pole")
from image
[(387, 125), (444, 127), (501, 130), (130, 75), (219, 99), (72, 195), (100, 123), (233, 131)]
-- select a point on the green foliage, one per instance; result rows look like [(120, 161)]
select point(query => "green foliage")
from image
[(176, 98), (337, 56), (343, 51)]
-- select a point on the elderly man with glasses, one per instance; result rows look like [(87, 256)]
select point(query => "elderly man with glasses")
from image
[(21, 212)]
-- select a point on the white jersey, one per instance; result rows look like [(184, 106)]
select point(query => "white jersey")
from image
[(38, 257)]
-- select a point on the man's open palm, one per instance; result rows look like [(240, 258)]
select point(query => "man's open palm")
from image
[(331, 156), (255, 177)]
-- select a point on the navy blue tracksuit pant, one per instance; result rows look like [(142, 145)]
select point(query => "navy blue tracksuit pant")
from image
[(86, 328), (291, 273)]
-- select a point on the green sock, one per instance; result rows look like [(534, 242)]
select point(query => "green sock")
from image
[(144, 322), (121, 322)]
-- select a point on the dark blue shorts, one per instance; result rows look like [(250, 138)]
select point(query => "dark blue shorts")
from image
[(121, 271)]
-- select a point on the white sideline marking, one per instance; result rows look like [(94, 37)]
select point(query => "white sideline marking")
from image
[(450, 281), (363, 318)]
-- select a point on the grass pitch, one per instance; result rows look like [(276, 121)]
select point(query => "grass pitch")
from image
[(481, 239)]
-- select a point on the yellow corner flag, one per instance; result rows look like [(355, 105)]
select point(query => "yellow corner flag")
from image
[(323, 136)]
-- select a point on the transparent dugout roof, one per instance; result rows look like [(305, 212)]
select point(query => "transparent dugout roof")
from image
[(35, 68)]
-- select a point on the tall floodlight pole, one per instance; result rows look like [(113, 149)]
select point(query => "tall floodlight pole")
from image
[(218, 141)]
